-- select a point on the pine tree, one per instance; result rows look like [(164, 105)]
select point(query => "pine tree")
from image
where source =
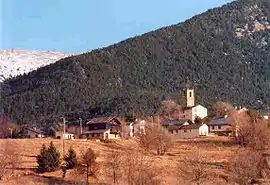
[(42, 160), (71, 159), (54, 158), (49, 159)]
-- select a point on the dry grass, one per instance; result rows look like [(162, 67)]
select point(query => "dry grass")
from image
[(217, 151)]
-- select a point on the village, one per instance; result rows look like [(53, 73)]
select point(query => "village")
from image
[(197, 146), (190, 121)]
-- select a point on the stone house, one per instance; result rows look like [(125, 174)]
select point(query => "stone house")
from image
[(220, 126)]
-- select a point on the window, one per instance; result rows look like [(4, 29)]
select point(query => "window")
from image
[(190, 94), (93, 135), (176, 131), (219, 127), (185, 130), (190, 130), (213, 127)]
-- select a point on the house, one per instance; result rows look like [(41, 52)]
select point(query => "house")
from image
[(173, 125), (103, 128), (137, 127), (193, 130), (33, 133), (220, 126), (191, 113), (61, 135)]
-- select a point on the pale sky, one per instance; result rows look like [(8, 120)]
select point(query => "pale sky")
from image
[(74, 26)]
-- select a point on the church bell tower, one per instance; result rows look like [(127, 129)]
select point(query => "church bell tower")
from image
[(190, 96)]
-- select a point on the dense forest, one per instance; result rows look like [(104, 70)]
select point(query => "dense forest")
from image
[(224, 52)]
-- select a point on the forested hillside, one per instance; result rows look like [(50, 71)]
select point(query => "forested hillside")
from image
[(224, 52)]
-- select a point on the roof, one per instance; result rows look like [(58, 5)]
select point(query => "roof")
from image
[(191, 126), (100, 119), (174, 122), (219, 121), (188, 108), (37, 131), (104, 120)]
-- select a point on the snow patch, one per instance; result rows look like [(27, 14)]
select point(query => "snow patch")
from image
[(14, 62)]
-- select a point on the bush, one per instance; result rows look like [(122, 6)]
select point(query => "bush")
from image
[(156, 138), (70, 159), (49, 159)]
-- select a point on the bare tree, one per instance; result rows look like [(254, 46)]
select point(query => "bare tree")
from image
[(193, 168), (139, 170), (246, 166), (167, 107), (251, 129), (115, 162), (221, 109), (88, 163), (8, 160), (156, 138)]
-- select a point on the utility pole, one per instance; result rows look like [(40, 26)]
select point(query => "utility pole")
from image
[(81, 129), (63, 136)]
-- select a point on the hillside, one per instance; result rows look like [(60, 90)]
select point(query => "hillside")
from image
[(224, 52), (15, 62)]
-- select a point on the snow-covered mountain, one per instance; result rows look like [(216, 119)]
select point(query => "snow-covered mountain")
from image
[(18, 61)]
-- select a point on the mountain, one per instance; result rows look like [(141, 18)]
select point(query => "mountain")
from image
[(224, 52), (15, 62)]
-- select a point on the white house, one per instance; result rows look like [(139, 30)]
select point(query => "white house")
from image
[(137, 127), (188, 131), (193, 130), (191, 113), (61, 135)]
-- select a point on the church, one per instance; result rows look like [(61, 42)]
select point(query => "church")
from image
[(191, 110)]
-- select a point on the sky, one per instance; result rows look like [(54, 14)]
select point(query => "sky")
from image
[(75, 26)]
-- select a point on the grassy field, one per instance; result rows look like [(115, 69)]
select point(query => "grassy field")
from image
[(215, 151)]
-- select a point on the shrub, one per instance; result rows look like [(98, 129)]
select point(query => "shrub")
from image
[(156, 138), (70, 159), (49, 159)]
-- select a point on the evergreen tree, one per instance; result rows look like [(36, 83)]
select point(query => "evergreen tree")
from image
[(49, 159), (70, 159), (54, 158), (42, 160)]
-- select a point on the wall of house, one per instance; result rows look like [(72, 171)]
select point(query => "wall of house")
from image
[(198, 111), (103, 135), (95, 136), (203, 130), (188, 133), (61, 135), (188, 114), (219, 128)]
